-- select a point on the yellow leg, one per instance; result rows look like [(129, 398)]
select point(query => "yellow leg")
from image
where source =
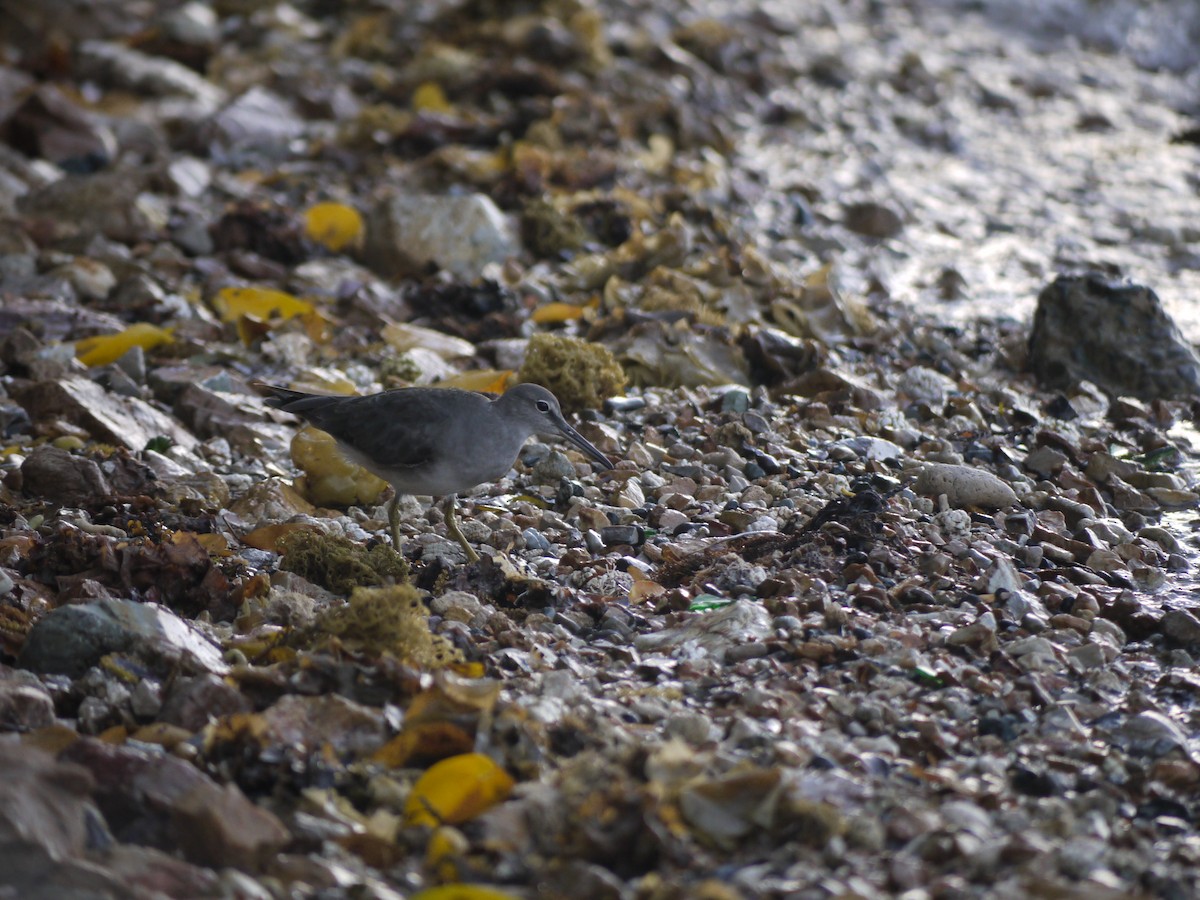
[(394, 522), (452, 528)]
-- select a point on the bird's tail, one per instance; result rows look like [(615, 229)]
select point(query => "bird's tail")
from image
[(307, 406)]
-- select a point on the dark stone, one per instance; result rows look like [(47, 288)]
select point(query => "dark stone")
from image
[(71, 639), (614, 535), (61, 477), (1117, 336)]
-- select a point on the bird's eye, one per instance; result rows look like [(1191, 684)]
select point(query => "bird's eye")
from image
[(543, 406)]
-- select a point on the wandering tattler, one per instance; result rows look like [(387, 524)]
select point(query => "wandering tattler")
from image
[(435, 441)]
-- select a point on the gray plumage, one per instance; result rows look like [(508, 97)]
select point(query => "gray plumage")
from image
[(436, 441)]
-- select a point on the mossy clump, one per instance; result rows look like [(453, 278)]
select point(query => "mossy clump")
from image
[(339, 564), (390, 619), (582, 375), (550, 233), (398, 371)]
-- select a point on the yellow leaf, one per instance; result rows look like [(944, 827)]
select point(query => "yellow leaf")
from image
[(214, 543), (492, 381), (643, 587), (456, 790), (106, 348), (462, 892), (335, 225), (430, 740), (52, 739), (429, 97), (117, 734), (267, 537), (232, 303), (162, 734), (550, 313)]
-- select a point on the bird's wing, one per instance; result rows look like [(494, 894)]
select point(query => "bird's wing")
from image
[(373, 430), (372, 426)]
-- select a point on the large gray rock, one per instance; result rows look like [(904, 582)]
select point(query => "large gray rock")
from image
[(408, 233), (70, 639), (1117, 336)]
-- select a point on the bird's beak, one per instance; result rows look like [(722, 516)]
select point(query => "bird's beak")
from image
[(584, 444)]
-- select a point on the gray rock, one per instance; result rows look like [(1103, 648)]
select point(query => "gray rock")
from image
[(1181, 628), (1117, 336), (117, 65), (62, 477), (535, 540), (125, 421), (553, 468), (925, 385), (1150, 734), (964, 486), (71, 639), (258, 122), (105, 203), (614, 535), (408, 233)]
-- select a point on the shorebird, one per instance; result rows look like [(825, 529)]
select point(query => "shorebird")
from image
[(433, 441)]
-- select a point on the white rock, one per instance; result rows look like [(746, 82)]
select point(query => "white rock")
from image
[(406, 233)]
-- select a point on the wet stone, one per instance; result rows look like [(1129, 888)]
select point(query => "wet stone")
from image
[(535, 540), (192, 702), (1181, 627), (614, 535), (1115, 335)]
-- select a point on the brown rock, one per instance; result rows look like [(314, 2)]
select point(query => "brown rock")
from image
[(872, 220), (191, 702), (47, 824), (161, 801), (152, 873), (218, 826), (62, 477)]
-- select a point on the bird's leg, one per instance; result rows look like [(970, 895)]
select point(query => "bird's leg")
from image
[(449, 505), (394, 521)]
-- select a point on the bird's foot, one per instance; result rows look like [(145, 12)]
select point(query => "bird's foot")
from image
[(454, 532)]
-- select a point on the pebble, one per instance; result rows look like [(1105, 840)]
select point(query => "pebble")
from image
[(1181, 627), (735, 401), (553, 468), (614, 535), (964, 486), (535, 540)]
